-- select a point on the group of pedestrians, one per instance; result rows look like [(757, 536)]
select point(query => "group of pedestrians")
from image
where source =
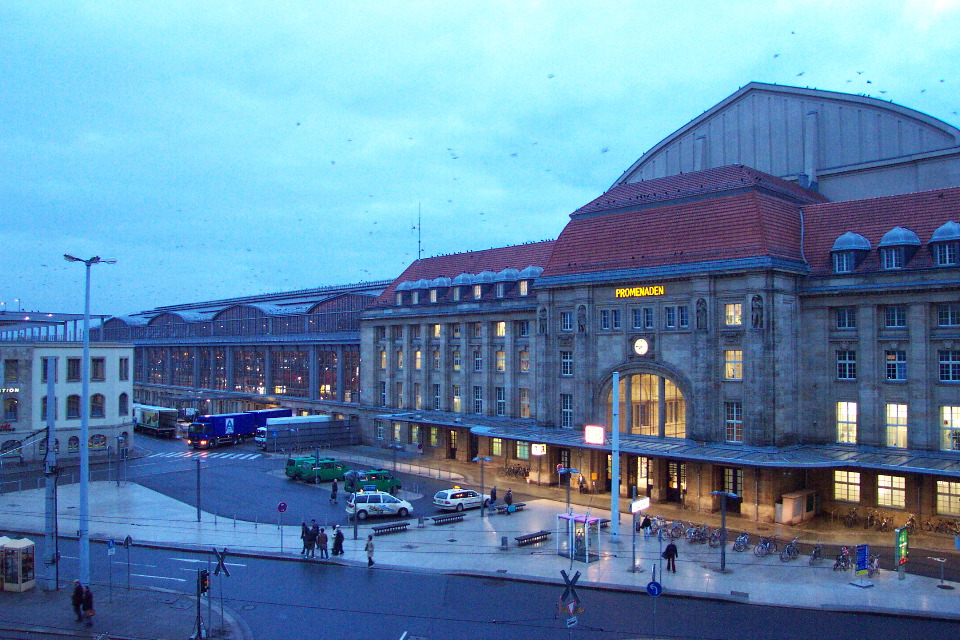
[(315, 537), (82, 602)]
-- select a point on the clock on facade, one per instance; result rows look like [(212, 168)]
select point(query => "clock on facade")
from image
[(641, 346)]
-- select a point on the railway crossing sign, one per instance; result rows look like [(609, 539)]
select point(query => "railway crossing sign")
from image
[(221, 556), (570, 589)]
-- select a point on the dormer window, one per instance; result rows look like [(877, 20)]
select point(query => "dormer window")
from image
[(399, 298), (456, 294), (477, 291), (415, 297), (897, 247), (524, 288), (433, 296), (848, 252), (945, 245), (500, 289)]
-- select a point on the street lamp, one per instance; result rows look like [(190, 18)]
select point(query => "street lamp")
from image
[(723, 525), (85, 422), (483, 503), (569, 471)]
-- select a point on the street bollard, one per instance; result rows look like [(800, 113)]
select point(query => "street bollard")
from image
[(503, 543)]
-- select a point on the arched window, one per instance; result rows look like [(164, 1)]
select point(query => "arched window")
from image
[(10, 409), (43, 409), (97, 402), (43, 446), (9, 445), (650, 405), (123, 405), (73, 444), (124, 442), (98, 441), (73, 407)]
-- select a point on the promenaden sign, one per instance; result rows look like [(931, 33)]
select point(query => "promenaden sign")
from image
[(641, 292)]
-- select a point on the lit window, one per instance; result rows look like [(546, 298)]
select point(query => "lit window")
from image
[(566, 363), (433, 295), (524, 361), (496, 447), (477, 291), (846, 317), (500, 329), (522, 450), (501, 357), (948, 498), (949, 366), (896, 365), (456, 398), (897, 425), (846, 364), (847, 422), (383, 359), (417, 359), (414, 297), (950, 428), (455, 330), (734, 421), (435, 331), (500, 289), (436, 359), (399, 359), (566, 410), (891, 491), (417, 396), (846, 486), (895, 317), (399, 298), (456, 359), (524, 288), (524, 402), (733, 314), (456, 294), (733, 364)]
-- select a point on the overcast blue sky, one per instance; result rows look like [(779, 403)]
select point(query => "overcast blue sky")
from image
[(219, 149)]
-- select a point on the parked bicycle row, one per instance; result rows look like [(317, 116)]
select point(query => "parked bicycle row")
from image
[(881, 522)]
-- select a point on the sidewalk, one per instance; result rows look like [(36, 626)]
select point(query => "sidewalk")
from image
[(472, 546)]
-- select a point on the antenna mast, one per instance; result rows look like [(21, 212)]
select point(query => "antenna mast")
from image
[(419, 228)]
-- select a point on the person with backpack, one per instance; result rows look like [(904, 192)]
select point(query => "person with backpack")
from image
[(670, 555)]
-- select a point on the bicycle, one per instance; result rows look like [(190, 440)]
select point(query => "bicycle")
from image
[(716, 538), (742, 542), (790, 551), (816, 556), (843, 562), (697, 533), (852, 518), (884, 523), (873, 566), (911, 523), (677, 530), (765, 546)]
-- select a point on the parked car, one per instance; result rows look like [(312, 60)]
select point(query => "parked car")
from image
[(377, 503), (458, 499), (372, 480)]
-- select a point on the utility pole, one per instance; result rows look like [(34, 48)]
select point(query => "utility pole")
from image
[(51, 564)]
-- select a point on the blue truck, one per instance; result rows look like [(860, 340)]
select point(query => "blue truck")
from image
[(207, 432)]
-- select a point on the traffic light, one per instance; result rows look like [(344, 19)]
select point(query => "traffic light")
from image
[(203, 581)]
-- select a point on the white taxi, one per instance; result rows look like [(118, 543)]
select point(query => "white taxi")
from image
[(377, 503), (457, 499)]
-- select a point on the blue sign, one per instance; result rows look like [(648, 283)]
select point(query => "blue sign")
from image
[(654, 588), (274, 433), (863, 559)]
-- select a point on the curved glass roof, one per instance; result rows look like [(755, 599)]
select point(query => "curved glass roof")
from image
[(851, 241), (485, 277), (463, 279), (440, 282), (531, 272), (947, 232), (898, 237), (507, 275)]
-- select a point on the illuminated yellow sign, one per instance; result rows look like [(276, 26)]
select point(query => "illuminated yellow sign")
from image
[(641, 292)]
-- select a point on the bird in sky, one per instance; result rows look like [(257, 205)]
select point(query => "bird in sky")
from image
[(801, 73)]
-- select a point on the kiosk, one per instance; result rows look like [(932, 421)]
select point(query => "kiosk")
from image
[(18, 567), (578, 537), (3, 541)]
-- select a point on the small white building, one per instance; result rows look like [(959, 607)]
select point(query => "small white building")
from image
[(24, 391)]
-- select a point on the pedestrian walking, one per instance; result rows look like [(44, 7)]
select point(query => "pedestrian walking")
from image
[(312, 536), (582, 483), (645, 526), (493, 495), (369, 549), (508, 500), (333, 492), (76, 600), (87, 606), (670, 555), (304, 534), (322, 544), (337, 541)]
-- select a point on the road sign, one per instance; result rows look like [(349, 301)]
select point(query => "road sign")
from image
[(282, 507), (639, 505), (127, 542), (863, 559), (572, 622), (221, 556), (111, 547), (654, 588)]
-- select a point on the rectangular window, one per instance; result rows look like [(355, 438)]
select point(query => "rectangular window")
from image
[(605, 319), (948, 498), (733, 364), (733, 412), (892, 257), (733, 314), (683, 318), (397, 432), (566, 363), (566, 410), (524, 402), (380, 333), (414, 297), (383, 359), (378, 427), (399, 389), (636, 318), (399, 359), (846, 364), (383, 393), (949, 366), (566, 321), (950, 428), (496, 447), (436, 359), (124, 373), (846, 486), (897, 425), (948, 315), (896, 365), (434, 436), (615, 319), (436, 397), (478, 360), (455, 358), (415, 332), (524, 288), (522, 450), (434, 330), (476, 331), (843, 262), (891, 491), (610, 319), (523, 328), (847, 422), (500, 329), (73, 369), (417, 359), (43, 372), (397, 332), (501, 401), (11, 370), (417, 396), (501, 360), (524, 361), (456, 294), (433, 295), (946, 254), (648, 318), (845, 317), (455, 330), (477, 291), (478, 399), (895, 317), (456, 398), (670, 317)]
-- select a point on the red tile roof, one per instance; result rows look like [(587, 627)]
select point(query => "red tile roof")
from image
[(517, 257), (696, 185), (723, 227), (922, 212)]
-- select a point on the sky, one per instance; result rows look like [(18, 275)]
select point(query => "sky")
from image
[(220, 149)]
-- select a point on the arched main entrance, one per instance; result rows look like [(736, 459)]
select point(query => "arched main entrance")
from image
[(650, 405)]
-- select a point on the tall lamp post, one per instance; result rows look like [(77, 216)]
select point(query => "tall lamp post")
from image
[(724, 495), (567, 471), (85, 421), (483, 503)]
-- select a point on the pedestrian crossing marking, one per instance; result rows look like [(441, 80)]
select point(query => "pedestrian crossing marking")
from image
[(207, 454)]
